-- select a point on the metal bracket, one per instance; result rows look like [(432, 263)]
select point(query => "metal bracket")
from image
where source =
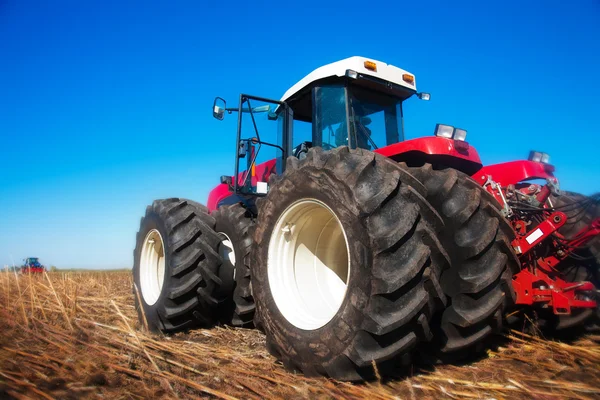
[(538, 287), (525, 243), (496, 191)]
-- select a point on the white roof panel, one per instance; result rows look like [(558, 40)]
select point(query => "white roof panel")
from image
[(384, 71)]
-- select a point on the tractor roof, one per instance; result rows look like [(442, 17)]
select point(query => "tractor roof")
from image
[(382, 71), (337, 71)]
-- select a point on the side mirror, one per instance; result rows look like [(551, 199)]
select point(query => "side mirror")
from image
[(424, 96), (219, 108)]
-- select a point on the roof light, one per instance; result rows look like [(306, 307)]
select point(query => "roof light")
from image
[(444, 130), (408, 78), (371, 66), (459, 134)]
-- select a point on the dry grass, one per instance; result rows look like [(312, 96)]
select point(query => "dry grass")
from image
[(76, 335)]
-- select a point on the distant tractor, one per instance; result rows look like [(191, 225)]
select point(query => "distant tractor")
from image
[(350, 246), (32, 265)]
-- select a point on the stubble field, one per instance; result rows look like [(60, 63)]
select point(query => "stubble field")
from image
[(76, 335)]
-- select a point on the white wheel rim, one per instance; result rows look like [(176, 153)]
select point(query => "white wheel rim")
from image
[(152, 267), (308, 264), (226, 251)]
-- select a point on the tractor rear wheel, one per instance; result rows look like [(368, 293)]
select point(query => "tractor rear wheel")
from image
[(478, 240), (235, 224), (584, 265), (176, 266), (346, 264), (581, 210)]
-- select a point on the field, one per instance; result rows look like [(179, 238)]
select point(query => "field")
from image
[(76, 335)]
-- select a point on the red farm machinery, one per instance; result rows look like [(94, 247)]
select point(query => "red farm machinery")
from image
[(32, 265), (349, 246)]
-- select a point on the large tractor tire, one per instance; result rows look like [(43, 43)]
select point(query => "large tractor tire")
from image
[(235, 224), (176, 267), (346, 264), (479, 282), (584, 265), (581, 210)]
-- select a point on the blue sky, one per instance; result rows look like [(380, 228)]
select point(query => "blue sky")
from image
[(106, 105)]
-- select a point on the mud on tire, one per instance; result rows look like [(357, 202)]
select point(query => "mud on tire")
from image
[(394, 260), (477, 237), (188, 296), (236, 222)]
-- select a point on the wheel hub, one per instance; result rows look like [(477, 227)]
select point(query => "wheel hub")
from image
[(152, 267), (308, 264)]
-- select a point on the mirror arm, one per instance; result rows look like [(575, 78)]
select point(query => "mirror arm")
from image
[(272, 145), (253, 120), (250, 164)]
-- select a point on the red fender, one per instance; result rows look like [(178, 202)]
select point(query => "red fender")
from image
[(433, 146), (513, 172), (217, 195)]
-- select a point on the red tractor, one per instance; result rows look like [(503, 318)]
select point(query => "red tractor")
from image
[(31, 265), (350, 246)]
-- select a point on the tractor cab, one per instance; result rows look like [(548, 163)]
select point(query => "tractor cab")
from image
[(32, 264), (354, 102)]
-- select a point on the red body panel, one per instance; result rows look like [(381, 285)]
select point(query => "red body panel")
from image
[(216, 195), (221, 192), (433, 145), (513, 172), (32, 270)]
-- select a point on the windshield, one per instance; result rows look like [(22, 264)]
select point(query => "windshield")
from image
[(329, 119), (374, 118)]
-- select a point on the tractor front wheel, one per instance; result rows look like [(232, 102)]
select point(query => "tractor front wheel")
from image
[(346, 264), (234, 223), (176, 266)]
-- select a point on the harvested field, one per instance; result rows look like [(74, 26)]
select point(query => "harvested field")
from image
[(76, 335)]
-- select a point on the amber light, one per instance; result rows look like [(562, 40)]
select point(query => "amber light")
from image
[(408, 78), (371, 66)]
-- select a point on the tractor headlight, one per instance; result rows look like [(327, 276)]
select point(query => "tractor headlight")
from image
[(535, 156), (538, 156), (444, 130), (450, 132), (545, 158), (424, 96), (459, 134)]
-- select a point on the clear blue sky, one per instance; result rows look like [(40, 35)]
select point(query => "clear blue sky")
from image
[(106, 105)]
